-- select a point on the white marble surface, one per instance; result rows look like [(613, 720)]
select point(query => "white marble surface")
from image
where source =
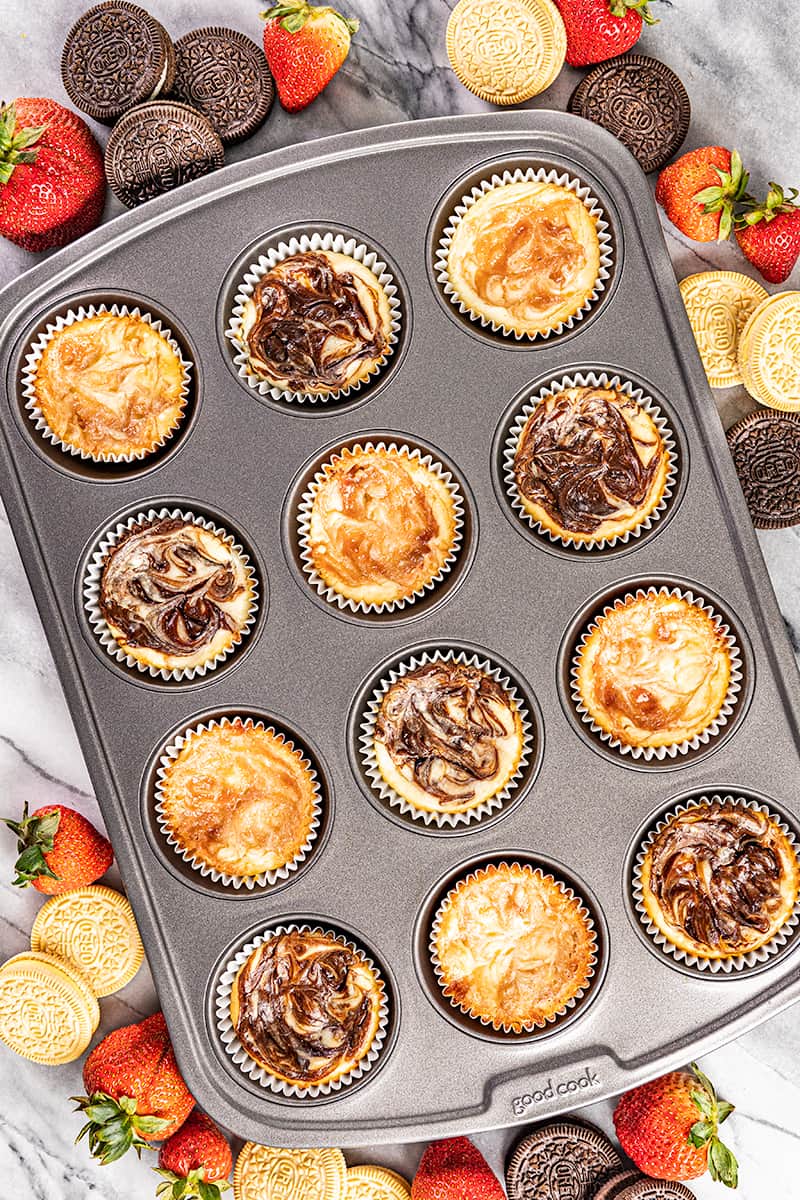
[(735, 58)]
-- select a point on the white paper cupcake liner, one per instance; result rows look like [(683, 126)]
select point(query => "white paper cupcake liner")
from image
[(166, 760), (247, 1065), (712, 966), (648, 753), (589, 380), (529, 175), (305, 244), (529, 1028), (304, 522), (367, 740), (33, 358), (93, 577)]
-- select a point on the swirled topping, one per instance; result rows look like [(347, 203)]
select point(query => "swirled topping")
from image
[(238, 798), (317, 322), (175, 594), (720, 879), (655, 670), (447, 737), (306, 1007), (110, 385), (513, 946), (525, 255), (590, 462), (382, 525)]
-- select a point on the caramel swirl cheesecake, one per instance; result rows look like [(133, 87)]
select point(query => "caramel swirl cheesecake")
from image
[(590, 464), (654, 670), (382, 525), (175, 595), (448, 737), (316, 323), (306, 1007), (525, 256), (719, 880)]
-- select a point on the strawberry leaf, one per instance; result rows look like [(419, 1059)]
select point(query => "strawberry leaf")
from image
[(704, 1102), (700, 1133), (722, 1164), (724, 1110)]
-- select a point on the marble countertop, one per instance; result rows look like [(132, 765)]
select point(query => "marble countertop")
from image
[(734, 58)]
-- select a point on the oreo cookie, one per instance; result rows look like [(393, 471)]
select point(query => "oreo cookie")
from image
[(765, 446), (158, 146), (563, 1160), (225, 75), (641, 101), (656, 1189), (116, 55), (616, 1183)]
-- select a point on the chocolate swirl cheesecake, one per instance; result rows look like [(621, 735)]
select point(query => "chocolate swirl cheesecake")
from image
[(316, 323), (448, 737), (720, 879), (175, 595), (306, 1007), (590, 464)]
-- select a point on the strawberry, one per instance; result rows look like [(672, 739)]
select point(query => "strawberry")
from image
[(135, 1092), (455, 1170), (59, 850), (195, 1162), (52, 184), (769, 234), (602, 29), (669, 1127), (699, 190), (305, 45)]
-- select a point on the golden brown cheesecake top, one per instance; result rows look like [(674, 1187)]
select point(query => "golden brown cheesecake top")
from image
[(306, 1007), (721, 878)]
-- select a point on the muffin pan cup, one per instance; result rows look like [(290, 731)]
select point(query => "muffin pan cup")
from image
[(308, 668), (33, 358), (719, 967), (92, 584)]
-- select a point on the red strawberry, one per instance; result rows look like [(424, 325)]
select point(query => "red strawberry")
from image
[(455, 1170), (195, 1162), (58, 850), (601, 29), (305, 45), (769, 234), (135, 1092), (698, 192), (52, 184), (669, 1128)]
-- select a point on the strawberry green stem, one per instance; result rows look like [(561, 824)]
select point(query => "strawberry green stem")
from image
[(35, 835), (188, 1187), (294, 14), (114, 1126), (621, 8), (15, 143), (722, 1164)]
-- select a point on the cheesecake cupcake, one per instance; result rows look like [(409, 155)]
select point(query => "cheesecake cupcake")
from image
[(513, 947), (589, 465), (379, 526), (306, 1008), (106, 384), (314, 319), (170, 593), (719, 879), (448, 737), (656, 671), (525, 253), (238, 801)]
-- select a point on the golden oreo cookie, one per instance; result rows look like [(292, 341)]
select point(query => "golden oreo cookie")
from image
[(47, 1012), (93, 928), (769, 352), (506, 51), (376, 1183), (268, 1173), (719, 304)]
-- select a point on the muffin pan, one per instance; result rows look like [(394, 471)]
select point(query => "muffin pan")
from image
[(243, 461)]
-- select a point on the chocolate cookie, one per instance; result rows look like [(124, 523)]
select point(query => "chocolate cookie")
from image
[(116, 55), (225, 75), (564, 1160), (616, 1183), (766, 453), (656, 1189), (641, 101), (158, 146)]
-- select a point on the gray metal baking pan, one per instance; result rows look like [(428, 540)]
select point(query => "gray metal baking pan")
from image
[(241, 459)]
